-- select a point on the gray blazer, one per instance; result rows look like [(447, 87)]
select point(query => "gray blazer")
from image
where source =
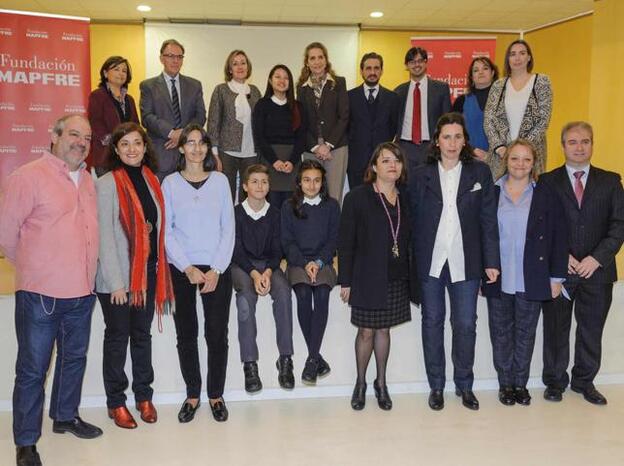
[(113, 269), (157, 115), (224, 130), (533, 127)]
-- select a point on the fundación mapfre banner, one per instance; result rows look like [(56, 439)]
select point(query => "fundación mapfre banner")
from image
[(44, 74), (450, 57)]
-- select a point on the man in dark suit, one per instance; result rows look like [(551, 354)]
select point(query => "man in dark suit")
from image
[(593, 204), (422, 101), (373, 116), (169, 102)]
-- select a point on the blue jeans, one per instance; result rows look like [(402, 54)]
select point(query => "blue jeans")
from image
[(463, 297), (513, 320), (40, 321)]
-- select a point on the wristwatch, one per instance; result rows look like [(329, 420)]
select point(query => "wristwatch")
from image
[(216, 270)]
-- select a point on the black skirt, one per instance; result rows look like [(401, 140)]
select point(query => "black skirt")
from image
[(398, 310)]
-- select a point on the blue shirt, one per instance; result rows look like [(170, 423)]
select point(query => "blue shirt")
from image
[(512, 227), (199, 222)]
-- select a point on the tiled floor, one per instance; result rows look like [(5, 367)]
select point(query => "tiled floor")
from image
[(327, 432)]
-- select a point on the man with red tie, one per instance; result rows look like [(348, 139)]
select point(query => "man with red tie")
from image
[(423, 101), (593, 204)]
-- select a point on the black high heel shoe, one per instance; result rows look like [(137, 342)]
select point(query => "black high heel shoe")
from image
[(358, 399), (382, 395)]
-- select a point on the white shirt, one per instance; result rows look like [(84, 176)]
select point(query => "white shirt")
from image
[(449, 245), (314, 201), (406, 132), (252, 213), (243, 115), (515, 105), (367, 90), (278, 101), (176, 79), (75, 176), (572, 178)]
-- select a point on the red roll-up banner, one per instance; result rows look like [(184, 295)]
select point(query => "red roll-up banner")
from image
[(44, 74), (450, 57)]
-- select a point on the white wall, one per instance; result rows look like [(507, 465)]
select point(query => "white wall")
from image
[(406, 372), (207, 47)]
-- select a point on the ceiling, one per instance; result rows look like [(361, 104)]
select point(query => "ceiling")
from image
[(493, 15)]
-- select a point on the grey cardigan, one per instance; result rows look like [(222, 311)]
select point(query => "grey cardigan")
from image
[(224, 130), (113, 269)]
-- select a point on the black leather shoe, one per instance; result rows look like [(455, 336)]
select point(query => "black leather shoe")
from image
[(27, 456), (382, 395), (310, 371), (469, 400), (323, 367), (592, 395), (253, 383), (219, 411), (358, 399), (187, 411), (285, 375), (436, 399), (522, 396), (507, 396), (553, 393), (78, 427)]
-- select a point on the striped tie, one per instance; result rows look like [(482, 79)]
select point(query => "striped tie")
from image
[(175, 101)]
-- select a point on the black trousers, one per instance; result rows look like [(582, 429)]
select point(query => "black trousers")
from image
[(591, 303), (123, 323), (216, 316)]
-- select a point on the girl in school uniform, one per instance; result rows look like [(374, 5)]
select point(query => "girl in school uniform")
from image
[(310, 221)]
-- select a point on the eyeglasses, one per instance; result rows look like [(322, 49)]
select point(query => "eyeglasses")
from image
[(171, 56)]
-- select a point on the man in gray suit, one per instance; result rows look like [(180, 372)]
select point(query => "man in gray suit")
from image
[(423, 101), (169, 102)]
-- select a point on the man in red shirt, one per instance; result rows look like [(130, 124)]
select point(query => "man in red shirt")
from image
[(49, 231)]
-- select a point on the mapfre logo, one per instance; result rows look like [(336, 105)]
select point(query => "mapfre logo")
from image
[(7, 32), (72, 37), (38, 149), (478, 53), (7, 106), (22, 129), (39, 108), (452, 55), (74, 109), (8, 149), (32, 34)]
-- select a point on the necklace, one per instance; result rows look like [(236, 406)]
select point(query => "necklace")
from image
[(395, 232)]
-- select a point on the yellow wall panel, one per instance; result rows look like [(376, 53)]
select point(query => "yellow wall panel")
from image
[(125, 40)]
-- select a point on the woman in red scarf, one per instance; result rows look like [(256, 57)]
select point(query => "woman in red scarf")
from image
[(133, 278)]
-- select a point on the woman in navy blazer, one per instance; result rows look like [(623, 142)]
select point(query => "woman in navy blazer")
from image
[(109, 105), (456, 241), (534, 260)]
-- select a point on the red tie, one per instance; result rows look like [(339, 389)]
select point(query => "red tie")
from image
[(416, 136), (578, 187)]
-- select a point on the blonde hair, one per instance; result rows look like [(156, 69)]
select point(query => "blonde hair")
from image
[(305, 71), (529, 145)]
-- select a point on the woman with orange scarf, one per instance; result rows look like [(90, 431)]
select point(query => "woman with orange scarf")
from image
[(133, 279)]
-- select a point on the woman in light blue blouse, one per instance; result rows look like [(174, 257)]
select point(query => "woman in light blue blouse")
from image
[(200, 237), (533, 249)]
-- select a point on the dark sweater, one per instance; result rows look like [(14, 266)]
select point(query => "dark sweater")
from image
[(311, 238), (482, 95), (257, 240), (272, 124), (147, 203)]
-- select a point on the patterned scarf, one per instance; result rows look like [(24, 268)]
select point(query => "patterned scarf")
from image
[(134, 225)]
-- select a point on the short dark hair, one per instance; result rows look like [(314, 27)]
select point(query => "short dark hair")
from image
[(451, 118), (370, 175), (255, 168), (227, 73), (112, 62), (119, 132), (486, 61), (170, 42), (411, 54), (371, 56), (209, 161), (576, 124), (508, 52)]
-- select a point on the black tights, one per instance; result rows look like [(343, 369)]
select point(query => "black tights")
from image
[(367, 341), (312, 318)]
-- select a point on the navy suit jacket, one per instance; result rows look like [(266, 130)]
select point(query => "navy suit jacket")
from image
[(476, 205), (596, 228), (545, 247), (366, 133), (438, 103)]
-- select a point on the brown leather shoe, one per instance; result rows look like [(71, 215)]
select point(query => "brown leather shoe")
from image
[(122, 417), (148, 411)]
